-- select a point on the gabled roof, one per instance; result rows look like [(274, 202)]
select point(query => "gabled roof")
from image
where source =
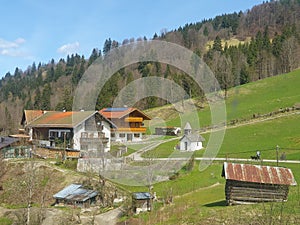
[(118, 113), (64, 119), (258, 174), (194, 137), (30, 115), (187, 126)]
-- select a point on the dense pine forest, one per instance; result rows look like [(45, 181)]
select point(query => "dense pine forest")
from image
[(240, 47)]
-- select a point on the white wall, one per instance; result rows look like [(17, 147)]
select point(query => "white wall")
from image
[(117, 137), (77, 134), (191, 146), (106, 131)]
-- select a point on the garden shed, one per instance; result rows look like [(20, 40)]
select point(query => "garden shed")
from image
[(247, 183), (76, 195), (141, 202)]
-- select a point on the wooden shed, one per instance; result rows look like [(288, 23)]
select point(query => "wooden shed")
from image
[(247, 183), (141, 202)]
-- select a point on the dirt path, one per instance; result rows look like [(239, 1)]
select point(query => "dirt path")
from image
[(199, 189), (251, 121)]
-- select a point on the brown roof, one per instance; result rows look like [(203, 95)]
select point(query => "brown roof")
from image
[(30, 115), (61, 119), (118, 113), (258, 174)]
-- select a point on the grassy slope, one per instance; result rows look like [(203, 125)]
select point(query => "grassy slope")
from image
[(206, 206), (243, 141), (263, 96)]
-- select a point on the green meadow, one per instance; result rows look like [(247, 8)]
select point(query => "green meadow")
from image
[(264, 96), (199, 196)]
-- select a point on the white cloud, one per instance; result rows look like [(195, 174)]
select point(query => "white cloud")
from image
[(11, 48), (68, 48)]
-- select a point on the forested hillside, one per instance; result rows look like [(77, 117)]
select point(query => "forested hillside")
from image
[(240, 47)]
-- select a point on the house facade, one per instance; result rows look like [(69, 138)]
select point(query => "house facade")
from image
[(80, 130), (191, 141), (129, 123)]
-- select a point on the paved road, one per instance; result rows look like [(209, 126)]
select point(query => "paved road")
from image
[(224, 159), (137, 156)]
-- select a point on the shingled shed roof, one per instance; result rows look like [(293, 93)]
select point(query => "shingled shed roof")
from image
[(258, 174)]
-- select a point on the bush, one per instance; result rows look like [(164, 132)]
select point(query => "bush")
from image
[(5, 221)]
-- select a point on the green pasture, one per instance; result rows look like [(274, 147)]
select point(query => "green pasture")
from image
[(261, 97)]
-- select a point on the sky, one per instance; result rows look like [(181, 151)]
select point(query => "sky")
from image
[(41, 30)]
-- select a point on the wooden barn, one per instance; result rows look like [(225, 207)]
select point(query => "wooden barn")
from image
[(247, 183)]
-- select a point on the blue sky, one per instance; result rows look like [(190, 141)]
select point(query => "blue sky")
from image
[(37, 31)]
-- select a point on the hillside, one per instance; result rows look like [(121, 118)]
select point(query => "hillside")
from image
[(245, 101), (199, 196), (243, 47)]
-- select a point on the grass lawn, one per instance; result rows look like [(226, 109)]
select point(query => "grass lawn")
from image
[(164, 150)]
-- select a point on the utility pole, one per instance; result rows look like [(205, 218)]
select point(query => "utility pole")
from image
[(277, 149)]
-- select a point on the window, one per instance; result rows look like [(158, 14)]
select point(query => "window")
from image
[(53, 134), (136, 135), (113, 135), (122, 135)]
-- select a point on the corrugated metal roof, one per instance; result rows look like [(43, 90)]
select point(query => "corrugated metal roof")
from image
[(67, 191), (75, 192), (81, 194), (258, 174), (7, 141), (141, 195)]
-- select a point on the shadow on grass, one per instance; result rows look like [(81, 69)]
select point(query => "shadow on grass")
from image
[(215, 204)]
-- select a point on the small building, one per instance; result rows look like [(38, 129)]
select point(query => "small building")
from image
[(76, 195), (191, 141), (10, 147), (129, 123), (141, 202), (171, 131), (6, 142), (247, 183)]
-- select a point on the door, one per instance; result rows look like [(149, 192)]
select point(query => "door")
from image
[(129, 137)]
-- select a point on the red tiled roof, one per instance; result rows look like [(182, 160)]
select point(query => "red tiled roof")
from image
[(258, 174), (118, 113)]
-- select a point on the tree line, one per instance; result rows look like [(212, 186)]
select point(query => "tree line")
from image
[(269, 44)]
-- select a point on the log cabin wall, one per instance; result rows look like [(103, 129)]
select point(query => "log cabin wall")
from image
[(238, 192)]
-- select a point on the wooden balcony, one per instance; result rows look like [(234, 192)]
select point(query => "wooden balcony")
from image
[(134, 119), (93, 138), (131, 129)]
